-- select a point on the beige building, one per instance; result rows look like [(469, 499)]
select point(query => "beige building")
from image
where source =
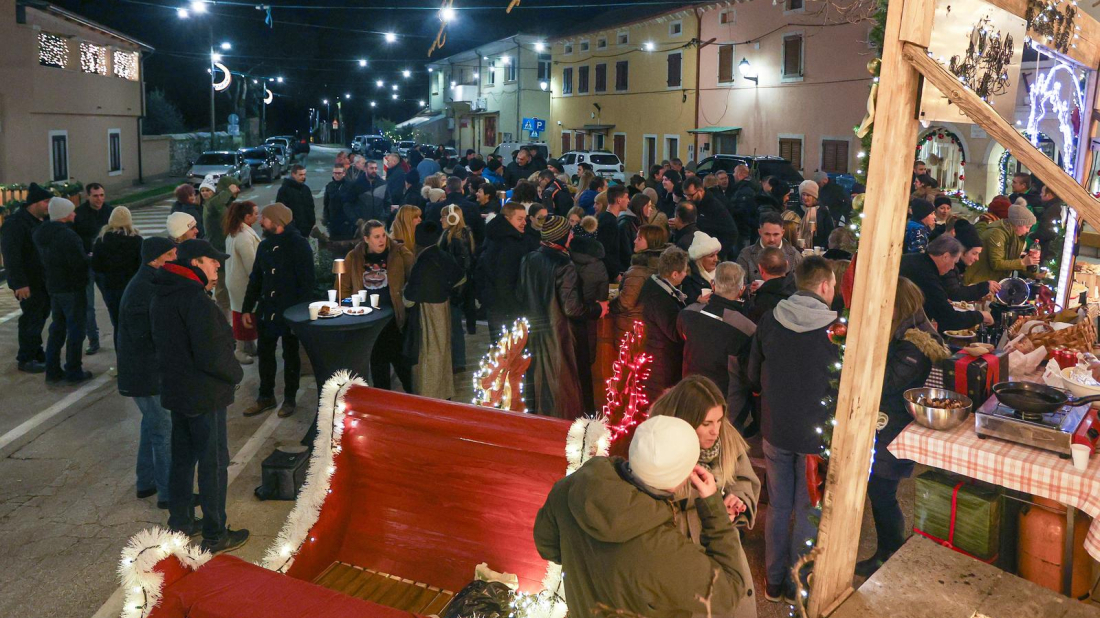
[(626, 83), (71, 98)]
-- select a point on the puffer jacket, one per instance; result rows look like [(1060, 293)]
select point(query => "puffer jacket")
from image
[(619, 546), (625, 308), (909, 360)]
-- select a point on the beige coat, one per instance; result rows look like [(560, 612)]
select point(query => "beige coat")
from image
[(241, 248), (734, 475)]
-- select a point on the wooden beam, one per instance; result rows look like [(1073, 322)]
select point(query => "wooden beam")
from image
[(1063, 185), (1087, 51), (880, 248)]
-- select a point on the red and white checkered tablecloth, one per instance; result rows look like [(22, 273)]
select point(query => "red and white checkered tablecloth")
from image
[(1015, 466)]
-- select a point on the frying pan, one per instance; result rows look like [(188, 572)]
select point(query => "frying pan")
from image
[(1033, 398)]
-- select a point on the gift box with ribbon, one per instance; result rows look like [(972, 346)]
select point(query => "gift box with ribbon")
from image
[(959, 513), (974, 376)]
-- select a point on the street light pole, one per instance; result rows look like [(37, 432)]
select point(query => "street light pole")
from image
[(210, 31)]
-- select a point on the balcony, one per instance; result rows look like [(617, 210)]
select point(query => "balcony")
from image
[(463, 93)]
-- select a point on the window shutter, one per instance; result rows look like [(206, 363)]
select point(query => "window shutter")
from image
[(566, 146), (725, 63), (582, 80), (834, 156), (674, 70), (791, 150), (792, 56), (601, 77), (622, 75), (567, 81)]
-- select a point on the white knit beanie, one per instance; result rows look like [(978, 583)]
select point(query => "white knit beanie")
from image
[(209, 183), (703, 244), (59, 208), (808, 186), (663, 452), (179, 223)]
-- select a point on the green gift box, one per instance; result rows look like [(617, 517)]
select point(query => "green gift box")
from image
[(959, 513)]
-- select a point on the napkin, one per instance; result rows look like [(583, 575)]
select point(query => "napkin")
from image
[(1053, 375)]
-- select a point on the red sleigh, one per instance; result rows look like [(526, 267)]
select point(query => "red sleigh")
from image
[(403, 499)]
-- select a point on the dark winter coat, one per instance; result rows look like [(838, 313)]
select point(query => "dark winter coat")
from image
[(461, 248), (195, 210), (551, 293), (498, 269), (470, 213), (194, 343), (956, 291), (628, 225), (1047, 231), (837, 200), (791, 364), (516, 172), (89, 222), (765, 203), (907, 366), (626, 308), (282, 276), (138, 372), (299, 199), (63, 256), (622, 548), (395, 184), (717, 338), (214, 209), (557, 198), (587, 255), (21, 258), (685, 235), (660, 310), (715, 219), (413, 197), (433, 277), (768, 295), (118, 257), (694, 283), (609, 236), (741, 198), (337, 216), (921, 270)]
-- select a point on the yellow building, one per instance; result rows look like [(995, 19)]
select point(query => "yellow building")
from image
[(626, 83)]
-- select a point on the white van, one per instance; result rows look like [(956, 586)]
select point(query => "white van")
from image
[(604, 164)]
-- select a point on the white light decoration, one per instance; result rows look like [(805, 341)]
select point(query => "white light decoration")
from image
[(198, 6), (183, 13), (394, 87), (126, 64), (279, 79), (1046, 94), (649, 46), (446, 14), (226, 81), (268, 96), (142, 583), (53, 50), (420, 103), (380, 83), (347, 95), (226, 46), (362, 62), (391, 37), (93, 58), (373, 104), (406, 73), (216, 57), (394, 96)]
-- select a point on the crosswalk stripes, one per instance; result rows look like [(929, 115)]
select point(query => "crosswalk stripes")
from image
[(152, 220)]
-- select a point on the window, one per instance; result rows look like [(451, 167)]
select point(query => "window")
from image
[(544, 66), (834, 156), (674, 66), (567, 81), (601, 78), (491, 78), (622, 75), (725, 64), (619, 145), (597, 144), (510, 71), (566, 142), (792, 56), (114, 152), (675, 28), (53, 50), (59, 156), (490, 138), (126, 65), (727, 17), (584, 45), (790, 148), (672, 147), (93, 58), (622, 38), (793, 5), (601, 43), (649, 152), (579, 138), (568, 49), (582, 80)]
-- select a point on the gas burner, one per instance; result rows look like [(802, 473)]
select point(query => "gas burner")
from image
[(1054, 431), (1051, 419)]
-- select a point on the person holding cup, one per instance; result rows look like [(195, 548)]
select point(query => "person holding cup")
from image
[(1003, 244), (703, 253), (771, 235)]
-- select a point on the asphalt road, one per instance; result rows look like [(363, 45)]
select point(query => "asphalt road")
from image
[(67, 455)]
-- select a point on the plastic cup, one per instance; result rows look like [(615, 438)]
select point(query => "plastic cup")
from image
[(355, 300), (314, 312), (332, 296), (362, 297), (374, 299), (1080, 454), (756, 284)]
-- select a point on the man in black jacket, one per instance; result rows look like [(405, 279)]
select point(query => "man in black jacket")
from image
[(556, 197), (778, 283), (91, 216), (27, 277), (607, 231), (333, 216), (497, 274), (791, 364), (520, 169), (138, 376), (662, 301), (714, 217), (67, 271), (926, 270), (685, 224), (198, 377), (282, 276), (833, 197), (295, 195), (741, 197)]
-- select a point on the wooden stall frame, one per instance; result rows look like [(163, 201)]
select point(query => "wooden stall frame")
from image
[(905, 60)]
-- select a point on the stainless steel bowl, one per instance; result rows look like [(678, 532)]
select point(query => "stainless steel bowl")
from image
[(937, 418)]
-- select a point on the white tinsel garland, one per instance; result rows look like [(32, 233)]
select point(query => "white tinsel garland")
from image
[(145, 549), (307, 508)]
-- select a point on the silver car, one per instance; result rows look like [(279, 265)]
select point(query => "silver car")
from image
[(218, 163)]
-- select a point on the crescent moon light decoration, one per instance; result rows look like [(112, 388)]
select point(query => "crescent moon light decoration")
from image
[(268, 96), (222, 85)]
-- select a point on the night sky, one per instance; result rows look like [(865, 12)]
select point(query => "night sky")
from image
[(316, 49)]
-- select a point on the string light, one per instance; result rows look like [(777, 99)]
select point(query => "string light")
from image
[(498, 381), (626, 398), (53, 50), (93, 58)]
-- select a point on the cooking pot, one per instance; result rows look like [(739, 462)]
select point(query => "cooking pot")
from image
[(1014, 291)]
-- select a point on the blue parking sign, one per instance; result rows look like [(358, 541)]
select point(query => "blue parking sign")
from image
[(540, 125)]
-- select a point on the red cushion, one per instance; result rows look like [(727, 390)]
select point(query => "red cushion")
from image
[(228, 587)]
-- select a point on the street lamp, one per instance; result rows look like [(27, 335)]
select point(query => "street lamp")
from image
[(380, 83), (347, 95), (183, 13), (226, 45), (372, 103), (395, 96), (395, 87), (539, 46), (198, 6), (216, 57), (748, 71), (543, 85), (447, 14), (406, 73), (649, 46), (391, 37), (279, 79), (420, 103), (362, 62)]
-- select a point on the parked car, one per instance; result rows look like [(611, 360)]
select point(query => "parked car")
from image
[(508, 150), (287, 145), (300, 145), (605, 164), (761, 166), (263, 161), (371, 146), (281, 155), (404, 146), (846, 181), (218, 163)]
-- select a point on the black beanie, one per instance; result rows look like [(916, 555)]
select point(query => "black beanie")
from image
[(967, 235), (920, 208)]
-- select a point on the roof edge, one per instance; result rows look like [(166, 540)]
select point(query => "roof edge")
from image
[(48, 7)]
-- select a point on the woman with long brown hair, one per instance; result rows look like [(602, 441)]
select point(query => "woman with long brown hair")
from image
[(648, 245), (241, 242), (722, 451), (458, 241), (404, 225)]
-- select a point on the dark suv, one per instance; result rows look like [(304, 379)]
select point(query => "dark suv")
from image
[(761, 166)]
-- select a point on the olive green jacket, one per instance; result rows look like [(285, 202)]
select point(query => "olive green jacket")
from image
[(1001, 249), (213, 211), (620, 547)]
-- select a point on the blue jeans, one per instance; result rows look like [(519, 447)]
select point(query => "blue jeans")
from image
[(200, 440), (66, 330), (90, 326), (154, 447), (787, 497)]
